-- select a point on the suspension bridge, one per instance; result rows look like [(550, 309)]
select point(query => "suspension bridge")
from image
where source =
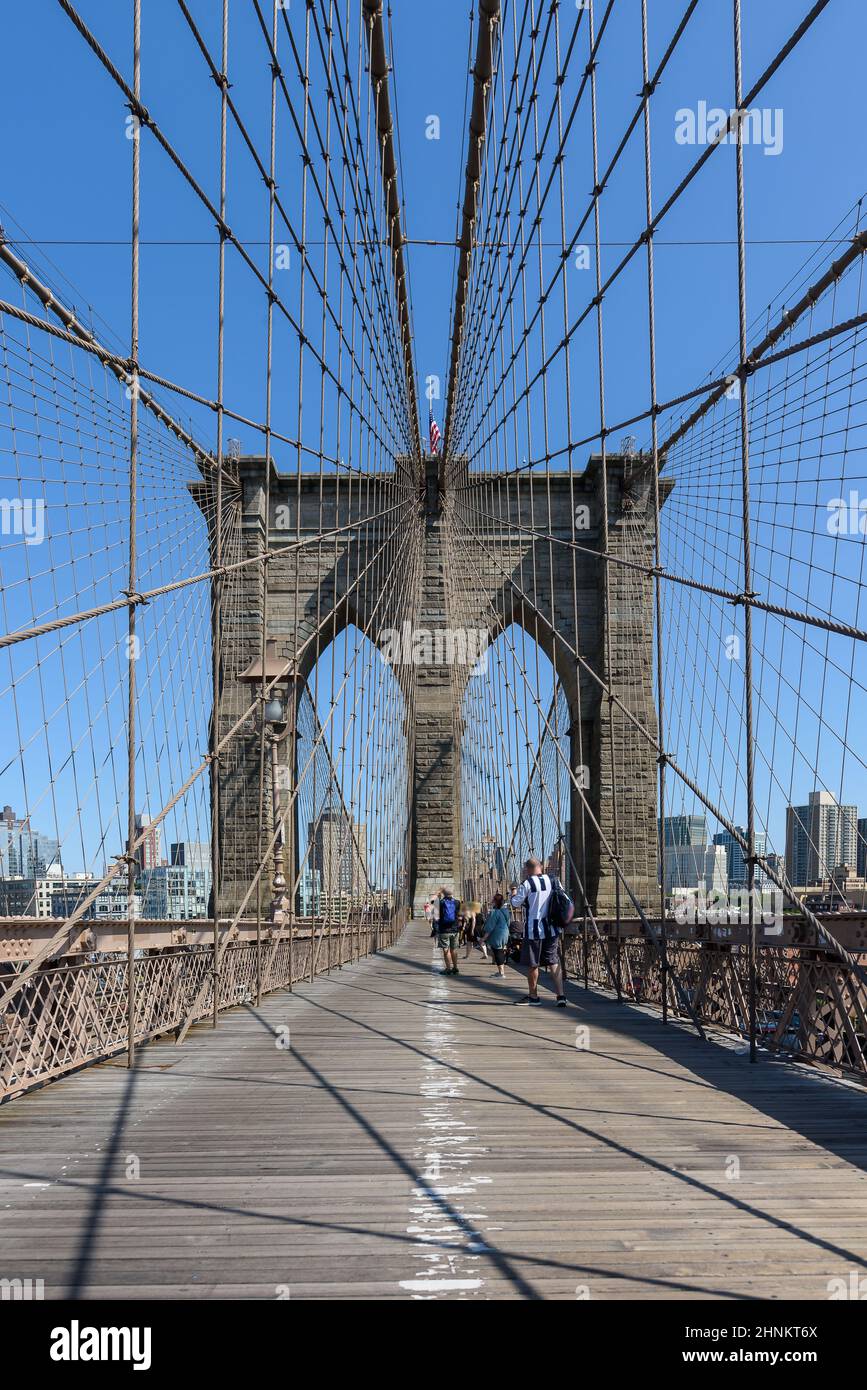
[(280, 661)]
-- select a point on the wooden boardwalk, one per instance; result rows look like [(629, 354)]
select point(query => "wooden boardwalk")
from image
[(419, 1137)]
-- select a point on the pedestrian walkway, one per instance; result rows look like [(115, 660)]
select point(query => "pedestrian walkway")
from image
[(385, 1132)]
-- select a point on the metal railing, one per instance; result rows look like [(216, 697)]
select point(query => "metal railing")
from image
[(809, 1006), (75, 1011)]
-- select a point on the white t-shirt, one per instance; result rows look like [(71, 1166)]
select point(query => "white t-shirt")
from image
[(534, 894)]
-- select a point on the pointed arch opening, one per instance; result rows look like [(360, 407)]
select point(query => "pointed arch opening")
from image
[(351, 823), (515, 783)]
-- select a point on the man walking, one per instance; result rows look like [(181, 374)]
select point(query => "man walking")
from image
[(540, 946), (447, 931)]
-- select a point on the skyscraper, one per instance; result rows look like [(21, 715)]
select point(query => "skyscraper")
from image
[(25, 852), (148, 852), (696, 866), (193, 854), (819, 838), (339, 852), (736, 864), (179, 890), (685, 830)]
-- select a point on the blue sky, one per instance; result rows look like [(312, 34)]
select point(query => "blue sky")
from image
[(66, 180), (66, 169)]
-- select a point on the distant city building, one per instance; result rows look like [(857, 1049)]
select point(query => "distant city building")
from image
[(68, 896), (147, 854), (25, 852), (840, 891), (685, 830), (861, 861), (194, 854), (178, 891), (29, 896), (820, 836), (174, 892), (110, 904), (382, 898), (696, 866), (113, 903), (736, 864), (310, 893), (336, 907), (339, 853), (58, 895)]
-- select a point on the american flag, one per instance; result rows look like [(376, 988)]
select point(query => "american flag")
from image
[(435, 435)]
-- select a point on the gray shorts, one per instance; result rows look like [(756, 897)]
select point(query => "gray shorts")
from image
[(447, 940), (542, 953)]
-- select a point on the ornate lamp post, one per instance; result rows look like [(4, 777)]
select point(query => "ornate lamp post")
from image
[(275, 727)]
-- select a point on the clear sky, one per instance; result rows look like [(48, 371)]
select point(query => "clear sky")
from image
[(66, 168)]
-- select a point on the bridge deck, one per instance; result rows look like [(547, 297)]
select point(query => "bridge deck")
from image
[(421, 1137)]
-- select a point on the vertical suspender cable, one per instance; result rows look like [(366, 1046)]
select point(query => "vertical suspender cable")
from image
[(747, 558), (217, 623), (267, 502), (133, 494), (647, 92), (603, 445)]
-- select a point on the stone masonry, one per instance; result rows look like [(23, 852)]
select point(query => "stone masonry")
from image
[(541, 584)]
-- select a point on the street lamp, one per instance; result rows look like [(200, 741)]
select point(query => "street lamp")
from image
[(275, 708), (275, 726)]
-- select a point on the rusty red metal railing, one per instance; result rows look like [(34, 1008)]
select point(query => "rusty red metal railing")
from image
[(809, 1005), (74, 1011)]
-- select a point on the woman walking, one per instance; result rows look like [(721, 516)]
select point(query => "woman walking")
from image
[(497, 933)]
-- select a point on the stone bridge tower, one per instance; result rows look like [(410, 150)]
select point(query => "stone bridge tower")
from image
[(532, 568)]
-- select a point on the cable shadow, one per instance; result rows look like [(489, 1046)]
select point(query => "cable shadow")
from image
[(615, 1146), (479, 1243), (818, 1108), (544, 1039), (394, 1237), (413, 1095), (102, 1189)]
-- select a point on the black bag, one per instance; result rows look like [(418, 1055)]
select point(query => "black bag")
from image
[(561, 908)]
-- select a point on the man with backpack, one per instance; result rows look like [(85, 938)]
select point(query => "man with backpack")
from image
[(447, 931), (545, 905)]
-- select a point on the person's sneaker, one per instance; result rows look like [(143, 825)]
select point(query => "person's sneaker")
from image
[(455, 971), (445, 972), (529, 999), (561, 1001)]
